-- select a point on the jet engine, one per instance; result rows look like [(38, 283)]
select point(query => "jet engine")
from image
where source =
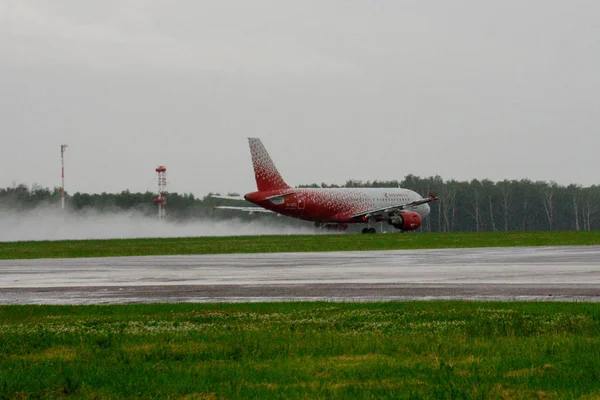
[(406, 221)]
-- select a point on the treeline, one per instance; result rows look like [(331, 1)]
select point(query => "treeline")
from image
[(515, 205), (477, 205), (180, 206)]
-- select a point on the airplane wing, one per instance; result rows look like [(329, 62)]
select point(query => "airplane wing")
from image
[(397, 207), (246, 209)]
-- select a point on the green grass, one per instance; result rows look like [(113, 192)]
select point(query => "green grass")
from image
[(302, 350), (269, 244)]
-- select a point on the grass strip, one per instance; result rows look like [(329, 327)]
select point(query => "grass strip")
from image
[(301, 350), (295, 243)]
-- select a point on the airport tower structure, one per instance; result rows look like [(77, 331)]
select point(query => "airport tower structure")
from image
[(63, 147), (161, 200)]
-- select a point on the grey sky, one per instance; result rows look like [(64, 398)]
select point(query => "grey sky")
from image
[(336, 90)]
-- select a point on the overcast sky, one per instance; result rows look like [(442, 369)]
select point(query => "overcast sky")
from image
[(335, 89)]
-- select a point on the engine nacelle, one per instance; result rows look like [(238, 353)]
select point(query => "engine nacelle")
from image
[(407, 221)]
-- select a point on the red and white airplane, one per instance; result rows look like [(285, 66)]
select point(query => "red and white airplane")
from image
[(330, 207)]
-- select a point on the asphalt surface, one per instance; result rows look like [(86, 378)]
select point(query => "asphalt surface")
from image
[(525, 273)]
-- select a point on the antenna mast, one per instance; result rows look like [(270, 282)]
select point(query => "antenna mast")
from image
[(63, 148)]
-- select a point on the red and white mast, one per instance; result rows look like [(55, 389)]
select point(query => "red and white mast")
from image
[(161, 200), (63, 147)]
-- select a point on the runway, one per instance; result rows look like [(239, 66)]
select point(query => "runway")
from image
[(526, 273)]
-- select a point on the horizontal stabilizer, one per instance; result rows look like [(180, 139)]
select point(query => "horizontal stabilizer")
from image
[(246, 209), (216, 196)]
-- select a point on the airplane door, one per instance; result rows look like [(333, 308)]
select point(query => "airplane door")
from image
[(301, 202)]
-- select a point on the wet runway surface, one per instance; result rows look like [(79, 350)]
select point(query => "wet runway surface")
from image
[(526, 273)]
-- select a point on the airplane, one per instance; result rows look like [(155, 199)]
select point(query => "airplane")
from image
[(330, 208)]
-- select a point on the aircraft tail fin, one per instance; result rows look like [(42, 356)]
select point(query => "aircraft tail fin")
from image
[(267, 176)]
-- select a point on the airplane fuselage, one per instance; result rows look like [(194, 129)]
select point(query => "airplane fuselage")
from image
[(335, 205)]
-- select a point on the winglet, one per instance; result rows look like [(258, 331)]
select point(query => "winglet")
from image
[(265, 172)]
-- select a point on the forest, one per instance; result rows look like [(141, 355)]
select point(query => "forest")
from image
[(472, 206)]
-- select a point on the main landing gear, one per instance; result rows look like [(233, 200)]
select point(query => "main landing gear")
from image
[(369, 230)]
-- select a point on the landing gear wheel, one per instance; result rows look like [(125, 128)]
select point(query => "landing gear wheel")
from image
[(365, 230), (372, 230)]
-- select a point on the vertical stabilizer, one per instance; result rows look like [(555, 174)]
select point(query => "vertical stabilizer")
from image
[(267, 176)]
